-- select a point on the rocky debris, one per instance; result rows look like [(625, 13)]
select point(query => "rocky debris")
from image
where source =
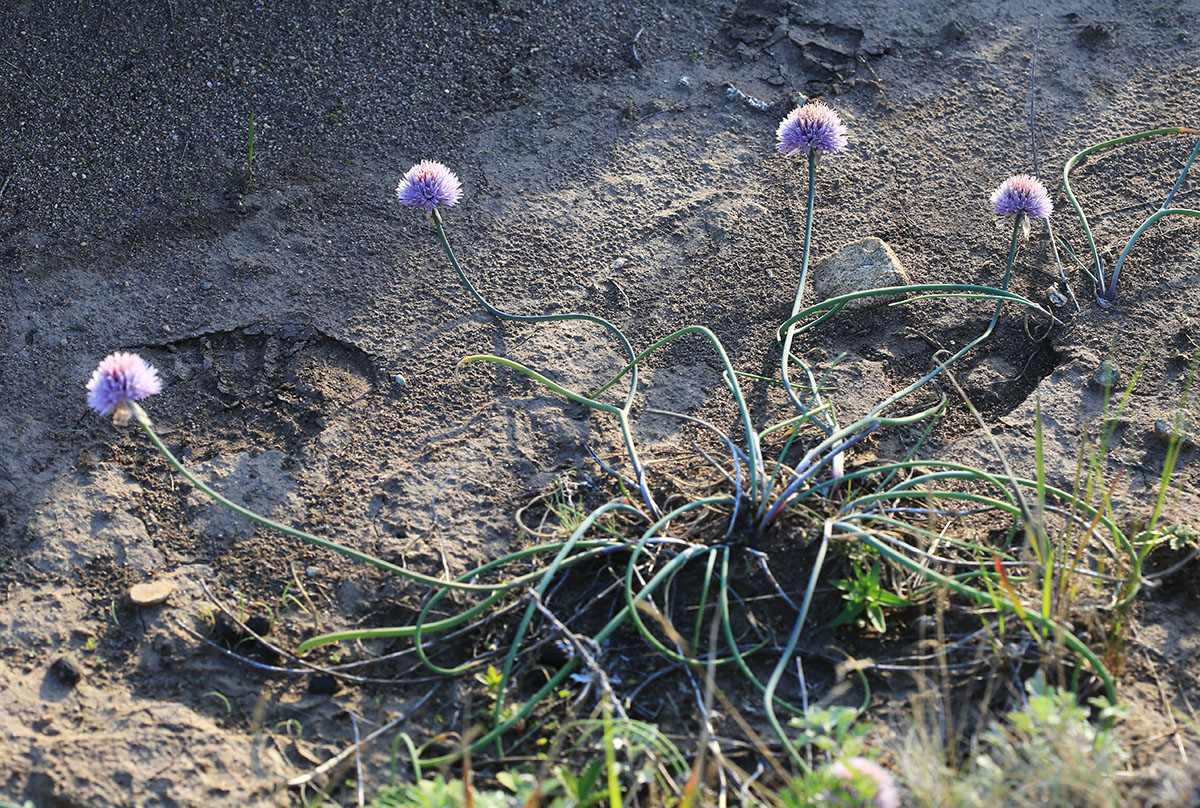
[(956, 31), (986, 384), (866, 264), (1176, 430), (151, 593), (1107, 374), (1094, 36), (66, 670), (804, 49)]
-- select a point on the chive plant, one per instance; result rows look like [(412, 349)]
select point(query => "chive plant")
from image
[(1106, 289), (654, 550)]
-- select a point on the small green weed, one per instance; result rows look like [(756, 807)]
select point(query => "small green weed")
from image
[(1044, 753), (865, 593)]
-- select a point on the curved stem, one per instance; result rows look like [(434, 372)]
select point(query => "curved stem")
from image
[(871, 418), (1047, 624), (835, 304), (1182, 175), (786, 657), (542, 318), (622, 416), (1110, 294), (633, 595), (144, 421), (1170, 130), (735, 651), (572, 664), (752, 447), (543, 585)]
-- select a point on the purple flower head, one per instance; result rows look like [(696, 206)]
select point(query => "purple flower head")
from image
[(1022, 194), (120, 379), (812, 126), (886, 793), (427, 185)]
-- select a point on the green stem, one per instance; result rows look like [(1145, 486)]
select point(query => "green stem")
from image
[(833, 305), (793, 640), (592, 550), (1170, 130), (572, 664), (621, 415), (1182, 175), (144, 421), (806, 251), (1110, 294), (752, 446), (537, 318), (1051, 627), (527, 618), (873, 417)]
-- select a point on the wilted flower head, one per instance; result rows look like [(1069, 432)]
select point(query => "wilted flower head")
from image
[(811, 127), (120, 379), (886, 793), (427, 185), (1022, 194)]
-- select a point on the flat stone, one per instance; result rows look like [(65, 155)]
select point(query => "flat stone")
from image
[(151, 593), (866, 264)]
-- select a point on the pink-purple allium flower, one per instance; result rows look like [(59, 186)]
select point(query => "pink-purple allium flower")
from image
[(1022, 194), (886, 793), (811, 127), (120, 379), (427, 185)]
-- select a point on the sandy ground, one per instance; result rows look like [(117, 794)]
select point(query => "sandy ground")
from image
[(606, 170)]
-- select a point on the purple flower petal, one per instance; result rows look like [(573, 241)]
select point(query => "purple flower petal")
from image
[(120, 379), (1022, 194), (427, 185), (812, 126)]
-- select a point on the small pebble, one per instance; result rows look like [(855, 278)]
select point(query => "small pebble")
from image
[(67, 671), (206, 286), (312, 572), (620, 262), (1165, 431), (1107, 374), (400, 381), (151, 594)]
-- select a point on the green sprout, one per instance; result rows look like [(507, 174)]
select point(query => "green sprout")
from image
[(865, 593)]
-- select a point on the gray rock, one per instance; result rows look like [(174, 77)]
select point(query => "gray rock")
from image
[(1107, 374), (866, 264), (67, 671)]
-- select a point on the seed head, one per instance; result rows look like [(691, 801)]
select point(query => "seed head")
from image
[(1022, 194), (120, 379), (427, 185), (812, 126)]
